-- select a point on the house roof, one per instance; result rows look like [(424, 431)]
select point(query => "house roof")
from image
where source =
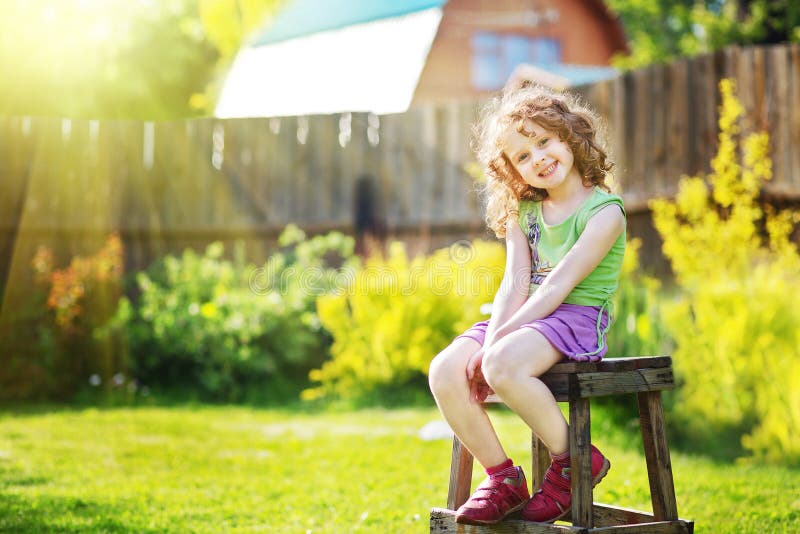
[(311, 60), (331, 56), (306, 17)]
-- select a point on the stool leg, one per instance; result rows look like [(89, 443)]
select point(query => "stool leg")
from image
[(460, 475), (540, 457), (580, 439), (656, 451)]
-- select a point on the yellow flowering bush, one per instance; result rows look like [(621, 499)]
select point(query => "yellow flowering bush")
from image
[(399, 312), (735, 320)]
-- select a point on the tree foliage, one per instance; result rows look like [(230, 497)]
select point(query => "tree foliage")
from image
[(662, 30), (142, 59)]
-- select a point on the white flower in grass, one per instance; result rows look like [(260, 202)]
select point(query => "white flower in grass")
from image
[(95, 380)]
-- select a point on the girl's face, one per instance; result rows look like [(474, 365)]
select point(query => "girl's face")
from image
[(542, 159)]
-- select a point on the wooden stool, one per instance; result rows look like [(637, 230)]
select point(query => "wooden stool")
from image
[(576, 383)]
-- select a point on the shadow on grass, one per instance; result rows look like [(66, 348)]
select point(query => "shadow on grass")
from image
[(52, 514), (47, 514)]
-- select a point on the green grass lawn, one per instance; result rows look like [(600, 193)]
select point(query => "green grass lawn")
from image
[(235, 469)]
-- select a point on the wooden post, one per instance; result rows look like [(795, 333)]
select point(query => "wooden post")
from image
[(580, 462), (656, 451), (460, 475), (540, 462)]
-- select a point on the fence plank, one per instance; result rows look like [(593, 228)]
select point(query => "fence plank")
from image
[(642, 134), (677, 123), (658, 138), (778, 116), (745, 89), (618, 121), (793, 181), (390, 152), (704, 95)]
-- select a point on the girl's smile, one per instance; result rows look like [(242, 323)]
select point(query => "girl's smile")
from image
[(541, 158), (550, 169)]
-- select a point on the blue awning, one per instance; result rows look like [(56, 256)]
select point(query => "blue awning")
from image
[(305, 17)]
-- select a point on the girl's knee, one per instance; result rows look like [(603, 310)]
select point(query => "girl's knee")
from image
[(443, 373), (497, 369)]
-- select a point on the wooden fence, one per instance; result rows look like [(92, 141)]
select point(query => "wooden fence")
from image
[(164, 186)]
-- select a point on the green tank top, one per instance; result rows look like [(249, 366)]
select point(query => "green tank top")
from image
[(549, 243)]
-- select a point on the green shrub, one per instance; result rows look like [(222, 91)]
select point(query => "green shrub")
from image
[(735, 320), (228, 331)]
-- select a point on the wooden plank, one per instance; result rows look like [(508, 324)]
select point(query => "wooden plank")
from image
[(657, 165), (442, 186), (406, 170), (794, 120), (540, 461), (600, 384), (618, 120), (305, 201), (612, 364), (758, 81), (730, 63), (326, 138), (580, 440), (345, 169), (704, 138), (677, 122), (641, 111), (460, 475), (605, 515), (357, 149), (609, 377), (468, 203), (444, 521), (778, 117), (372, 163), (201, 208), (389, 169), (656, 451), (244, 191), (274, 156), (260, 145), (664, 527), (287, 192), (423, 194), (745, 89)]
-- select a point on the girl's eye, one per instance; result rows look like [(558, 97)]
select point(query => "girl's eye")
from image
[(543, 141), (522, 157)]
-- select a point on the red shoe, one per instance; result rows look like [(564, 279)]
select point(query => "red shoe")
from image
[(493, 500), (553, 499)]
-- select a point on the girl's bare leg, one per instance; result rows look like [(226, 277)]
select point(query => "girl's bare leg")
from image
[(511, 367), (467, 418)]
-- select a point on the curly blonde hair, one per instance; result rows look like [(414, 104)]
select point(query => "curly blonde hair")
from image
[(560, 112)]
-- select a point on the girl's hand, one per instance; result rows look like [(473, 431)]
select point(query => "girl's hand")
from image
[(478, 388)]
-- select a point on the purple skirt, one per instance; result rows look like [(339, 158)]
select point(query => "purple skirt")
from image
[(572, 329)]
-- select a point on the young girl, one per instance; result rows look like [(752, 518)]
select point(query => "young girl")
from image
[(565, 238)]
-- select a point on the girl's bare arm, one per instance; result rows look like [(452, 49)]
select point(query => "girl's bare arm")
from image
[(513, 289)]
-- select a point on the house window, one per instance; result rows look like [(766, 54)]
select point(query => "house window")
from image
[(494, 56)]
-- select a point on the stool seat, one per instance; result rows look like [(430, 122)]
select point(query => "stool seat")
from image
[(576, 383)]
